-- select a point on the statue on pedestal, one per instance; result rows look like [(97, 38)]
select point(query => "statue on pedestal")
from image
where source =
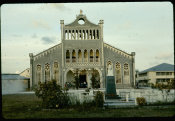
[(110, 70)]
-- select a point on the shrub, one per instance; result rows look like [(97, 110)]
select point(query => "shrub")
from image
[(99, 100), (141, 101), (52, 95)]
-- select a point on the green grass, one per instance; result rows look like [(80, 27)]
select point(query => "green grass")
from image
[(23, 106)]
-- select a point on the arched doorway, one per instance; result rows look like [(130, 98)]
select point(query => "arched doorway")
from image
[(83, 79)]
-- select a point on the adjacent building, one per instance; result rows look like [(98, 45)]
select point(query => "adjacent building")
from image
[(13, 83), (82, 51), (161, 73), (25, 73)]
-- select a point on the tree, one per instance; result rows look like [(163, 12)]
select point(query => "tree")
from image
[(52, 95), (95, 82)]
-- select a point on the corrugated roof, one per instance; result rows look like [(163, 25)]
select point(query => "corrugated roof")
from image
[(160, 67), (13, 77)]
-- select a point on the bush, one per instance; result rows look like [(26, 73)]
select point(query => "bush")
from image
[(99, 100), (52, 95), (141, 101)]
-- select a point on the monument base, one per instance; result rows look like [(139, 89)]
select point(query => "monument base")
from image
[(111, 88)]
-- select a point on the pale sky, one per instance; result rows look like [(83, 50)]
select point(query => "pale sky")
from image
[(145, 28)]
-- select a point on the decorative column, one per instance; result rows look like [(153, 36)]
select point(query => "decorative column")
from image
[(31, 69), (62, 30), (89, 75), (133, 67), (74, 34), (94, 58), (81, 34), (76, 52), (82, 55), (88, 56), (100, 34), (96, 34), (70, 56), (84, 34)]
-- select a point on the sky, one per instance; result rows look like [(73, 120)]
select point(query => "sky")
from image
[(145, 28)]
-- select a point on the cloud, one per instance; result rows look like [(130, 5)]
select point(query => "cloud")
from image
[(57, 6), (16, 35), (34, 35), (48, 40), (17, 72), (164, 56), (41, 24)]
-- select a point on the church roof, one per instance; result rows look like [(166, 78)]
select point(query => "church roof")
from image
[(51, 48), (13, 77), (160, 67), (117, 48)]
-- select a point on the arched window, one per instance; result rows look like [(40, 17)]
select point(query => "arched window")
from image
[(93, 34), (73, 35), (91, 55), (85, 56), (38, 73), (79, 56), (67, 56), (126, 73), (118, 72), (47, 72), (80, 35), (56, 71), (66, 34), (73, 56), (97, 55), (97, 34)]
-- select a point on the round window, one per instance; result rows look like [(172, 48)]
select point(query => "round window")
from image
[(81, 21)]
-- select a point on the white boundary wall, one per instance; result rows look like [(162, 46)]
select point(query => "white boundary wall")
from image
[(82, 95), (151, 95)]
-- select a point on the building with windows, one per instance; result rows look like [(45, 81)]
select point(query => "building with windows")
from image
[(82, 51), (158, 74)]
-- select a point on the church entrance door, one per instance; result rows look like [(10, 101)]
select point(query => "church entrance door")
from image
[(83, 82)]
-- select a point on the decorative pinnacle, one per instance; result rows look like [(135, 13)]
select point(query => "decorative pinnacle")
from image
[(81, 12)]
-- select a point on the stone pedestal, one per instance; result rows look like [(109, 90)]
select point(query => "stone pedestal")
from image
[(111, 88)]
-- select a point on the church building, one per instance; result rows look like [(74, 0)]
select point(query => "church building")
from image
[(82, 51)]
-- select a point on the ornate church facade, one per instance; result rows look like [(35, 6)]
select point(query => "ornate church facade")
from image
[(82, 51)]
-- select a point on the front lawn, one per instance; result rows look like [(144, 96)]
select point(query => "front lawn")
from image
[(22, 106)]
